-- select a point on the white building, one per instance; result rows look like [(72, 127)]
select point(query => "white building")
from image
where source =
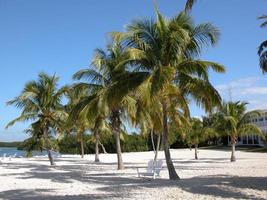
[(251, 140)]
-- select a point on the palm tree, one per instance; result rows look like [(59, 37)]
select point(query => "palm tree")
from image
[(166, 51), (40, 102), (35, 141), (148, 116), (197, 133), (110, 83), (234, 121), (79, 124), (262, 48)]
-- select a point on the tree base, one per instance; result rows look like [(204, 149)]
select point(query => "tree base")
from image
[(174, 178), (120, 168), (233, 159)]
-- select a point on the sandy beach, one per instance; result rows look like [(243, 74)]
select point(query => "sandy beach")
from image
[(210, 177)]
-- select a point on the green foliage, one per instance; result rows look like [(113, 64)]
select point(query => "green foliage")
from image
[(197, 132), (131, 143), (10, 144), (233, 120), (135, 143)]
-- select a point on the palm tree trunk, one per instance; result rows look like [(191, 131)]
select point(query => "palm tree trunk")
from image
[(47, 146), (96, 147), (233, 158), (157, 149), (118, 148), (116, 130), (196, 157), (82, 147), (152, 141), (172, 173), (103, 148)]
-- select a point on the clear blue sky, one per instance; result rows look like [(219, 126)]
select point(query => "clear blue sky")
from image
[(59, 37)]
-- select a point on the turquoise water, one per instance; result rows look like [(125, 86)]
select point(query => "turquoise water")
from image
[(10, 151)]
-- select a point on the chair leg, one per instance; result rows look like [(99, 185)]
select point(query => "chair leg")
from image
[(138, 172)]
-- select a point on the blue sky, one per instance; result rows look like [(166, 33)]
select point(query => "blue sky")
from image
[(59, 37)]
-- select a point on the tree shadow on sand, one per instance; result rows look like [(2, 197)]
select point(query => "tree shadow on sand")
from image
[(112, 184), (41, 194)]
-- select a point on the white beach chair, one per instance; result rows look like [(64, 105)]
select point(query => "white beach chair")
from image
[(153, 169), (12, 156), (4, 156)]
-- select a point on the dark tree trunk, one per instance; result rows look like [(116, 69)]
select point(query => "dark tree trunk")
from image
[(96, 146), (47, 146), (157, 149), (233, 158), (196, 157), (103, 148), (82, 146), (116, 131), (172, 173)]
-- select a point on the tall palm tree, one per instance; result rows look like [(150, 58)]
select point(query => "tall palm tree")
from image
[(234, 121), (110, 83), (40, 102), (166, 51), (262, 48)]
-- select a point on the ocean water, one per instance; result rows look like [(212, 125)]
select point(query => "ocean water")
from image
[(11, 151)]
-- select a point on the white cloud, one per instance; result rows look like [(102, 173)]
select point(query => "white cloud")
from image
[(240, 83), (254, 90), (251, 89)]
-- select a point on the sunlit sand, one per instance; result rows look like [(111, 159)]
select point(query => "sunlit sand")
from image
[(210, 177)]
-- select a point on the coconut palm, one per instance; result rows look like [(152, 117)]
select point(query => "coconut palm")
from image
[(40, 102), (196, 133), (234, 121), (166, 50), (262, 48), (110, 83), (35, 140)]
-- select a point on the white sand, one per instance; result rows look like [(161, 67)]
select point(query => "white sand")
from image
[(210, 177)]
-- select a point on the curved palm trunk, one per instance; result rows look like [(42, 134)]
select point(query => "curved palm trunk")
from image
[(82, 147), (116, 131), (96, 146), (152, 141), (47, 146), (233, 158), (103, 148), (172, 173), (157, 149), (196, 157)]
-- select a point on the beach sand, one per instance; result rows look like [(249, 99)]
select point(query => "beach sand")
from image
[(210, 177)]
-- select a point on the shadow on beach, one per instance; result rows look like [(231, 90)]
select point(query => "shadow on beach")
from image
[(123, 184)]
